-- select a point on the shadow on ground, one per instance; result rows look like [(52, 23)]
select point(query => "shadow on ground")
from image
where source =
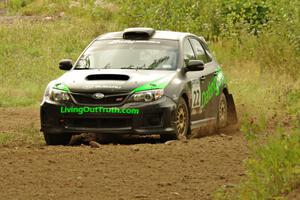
[(115, 139), (138, 139)]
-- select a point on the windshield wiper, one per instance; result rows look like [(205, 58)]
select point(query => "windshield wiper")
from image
[(133, 67), (83, 68), (107, 66), (157, 62), (129, 67)]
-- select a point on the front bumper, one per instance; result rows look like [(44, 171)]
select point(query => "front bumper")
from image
[(157, 117)]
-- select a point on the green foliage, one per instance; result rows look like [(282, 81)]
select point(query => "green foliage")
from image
[(252, 14), (274, 168), (293, 102), (212, 18), (275, 25), (15, 5), (192, 16), (30, 52), (253, 127), (285, 21)]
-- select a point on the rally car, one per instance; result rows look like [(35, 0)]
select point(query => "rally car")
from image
[(138, 81)]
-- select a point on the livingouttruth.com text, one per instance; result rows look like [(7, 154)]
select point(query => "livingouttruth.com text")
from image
[(99, 109)]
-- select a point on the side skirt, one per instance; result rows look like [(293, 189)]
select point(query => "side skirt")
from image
[(203, 122)]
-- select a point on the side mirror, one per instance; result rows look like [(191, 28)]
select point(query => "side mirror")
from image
[(65, 64), (194, 65)]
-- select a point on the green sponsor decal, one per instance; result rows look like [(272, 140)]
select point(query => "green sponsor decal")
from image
[(98, 109), (153, 85), (213, 88), (61, 86)]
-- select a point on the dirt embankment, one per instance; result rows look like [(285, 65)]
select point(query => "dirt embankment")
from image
[(139, 169)]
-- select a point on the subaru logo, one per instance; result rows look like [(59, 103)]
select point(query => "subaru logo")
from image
[(98, 96)]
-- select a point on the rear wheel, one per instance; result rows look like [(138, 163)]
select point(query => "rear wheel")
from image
[(222, 119), (57, 139), (182, 122)]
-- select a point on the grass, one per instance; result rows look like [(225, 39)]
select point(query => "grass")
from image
[(263, 73), (266, 96), (17, 4), (272, 171), (27, 136), (269, 113), (40, 45), (274, 168), (59, 29), (6, 138)]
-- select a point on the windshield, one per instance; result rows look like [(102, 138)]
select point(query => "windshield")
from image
[(130, 54)]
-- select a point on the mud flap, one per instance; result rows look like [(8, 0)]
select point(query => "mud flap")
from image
[(232, 115)]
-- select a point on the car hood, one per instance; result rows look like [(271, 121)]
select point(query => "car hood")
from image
[(115, 80)]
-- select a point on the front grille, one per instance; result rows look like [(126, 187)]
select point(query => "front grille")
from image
[(98, 122), (109, 99)]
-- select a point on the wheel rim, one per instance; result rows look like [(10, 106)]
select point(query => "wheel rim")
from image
[(222, 113), (181, 120)]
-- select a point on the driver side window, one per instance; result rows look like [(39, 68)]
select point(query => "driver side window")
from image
[(199, 51), (188, 52)]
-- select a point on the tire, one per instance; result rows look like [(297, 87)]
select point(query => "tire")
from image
[(222, 118), (57, 139), (182, 118)]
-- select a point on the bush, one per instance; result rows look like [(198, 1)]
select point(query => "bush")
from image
[(15, 5), (193, 16), (252, 15), (275, 25)]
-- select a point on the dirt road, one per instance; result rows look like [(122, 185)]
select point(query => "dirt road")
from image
[(138, 168)]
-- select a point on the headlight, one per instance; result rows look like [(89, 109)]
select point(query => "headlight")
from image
[(146, 96), (58, 93)]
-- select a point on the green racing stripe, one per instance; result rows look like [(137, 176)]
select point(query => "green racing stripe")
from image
[(154, 85), (61, 86)]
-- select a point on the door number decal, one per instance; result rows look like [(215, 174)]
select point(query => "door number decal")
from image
[(196, 93)]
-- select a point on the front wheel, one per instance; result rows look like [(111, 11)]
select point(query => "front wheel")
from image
[(182, 118), (57, 139)]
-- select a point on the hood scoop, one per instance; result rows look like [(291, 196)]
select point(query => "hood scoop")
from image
[(107, 77)]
